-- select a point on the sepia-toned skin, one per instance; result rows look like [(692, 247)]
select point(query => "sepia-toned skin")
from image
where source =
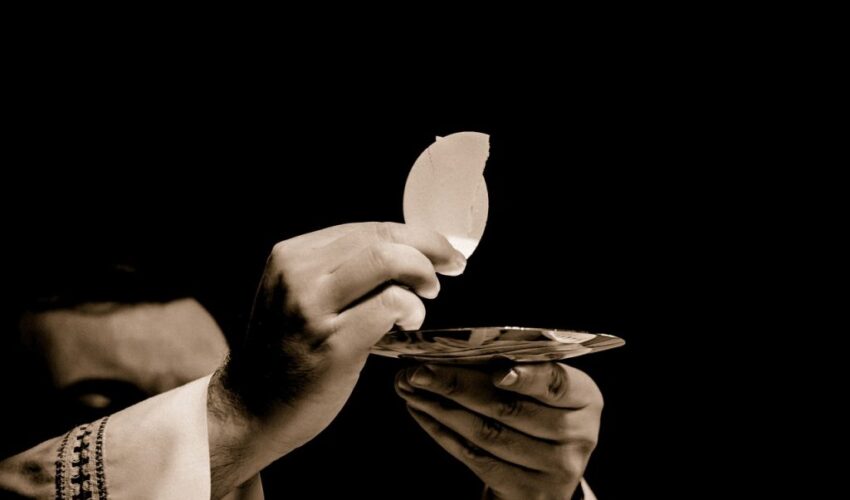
[(526, 432), (140, 349), (324, 300)]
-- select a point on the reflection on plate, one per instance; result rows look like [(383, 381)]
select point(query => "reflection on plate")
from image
[(484, 344)]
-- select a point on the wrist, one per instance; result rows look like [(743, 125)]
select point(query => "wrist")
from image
[(246, 415), (233, 435), (227, 417)]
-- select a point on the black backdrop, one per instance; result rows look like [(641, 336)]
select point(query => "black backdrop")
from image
[(599, 221)]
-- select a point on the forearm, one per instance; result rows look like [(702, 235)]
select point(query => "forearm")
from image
[(235, 441)]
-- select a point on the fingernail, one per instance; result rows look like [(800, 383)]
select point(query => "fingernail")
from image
[(509, 379), (433, 292), (456, 267), (404, 386), (460, 262), (422, 377)]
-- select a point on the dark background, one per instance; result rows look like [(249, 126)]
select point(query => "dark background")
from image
[(603, 217)]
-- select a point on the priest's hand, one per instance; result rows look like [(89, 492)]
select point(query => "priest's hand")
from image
[(526, 432), (324, 299)]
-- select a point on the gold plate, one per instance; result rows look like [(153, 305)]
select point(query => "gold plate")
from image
[(478, 345)]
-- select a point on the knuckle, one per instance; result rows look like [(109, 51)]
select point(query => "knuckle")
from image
[(384, 231), (449, 383), (280, 251), (481, 461), (391, 298), (563, 423), (387, 299), (283, 261), (558, 384), (401, 376), (597, 401), (570, 466), (378, 256), (511, 408), (486, 465), (585, 445), (489, 430), (279, 247), (590, 390), (418, 316), (420, 308)]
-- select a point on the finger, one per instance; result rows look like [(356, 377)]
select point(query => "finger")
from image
[(555, 384), (489, 435), (436, 247), (473, 389), (323, 237), (364, 324), (375, 265), (494, 472)]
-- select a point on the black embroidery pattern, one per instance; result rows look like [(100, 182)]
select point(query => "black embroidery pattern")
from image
[(60, 468), (80, 473), (101, 472)]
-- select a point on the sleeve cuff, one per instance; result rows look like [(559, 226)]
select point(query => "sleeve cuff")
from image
[(159, 448)]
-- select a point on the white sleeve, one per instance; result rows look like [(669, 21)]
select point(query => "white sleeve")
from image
[(159, 449), (156, 449)]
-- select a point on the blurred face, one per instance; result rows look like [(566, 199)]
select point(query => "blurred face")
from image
[(103, 357)]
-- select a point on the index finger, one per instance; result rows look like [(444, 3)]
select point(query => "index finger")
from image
[(554, 384), (435, 246)]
